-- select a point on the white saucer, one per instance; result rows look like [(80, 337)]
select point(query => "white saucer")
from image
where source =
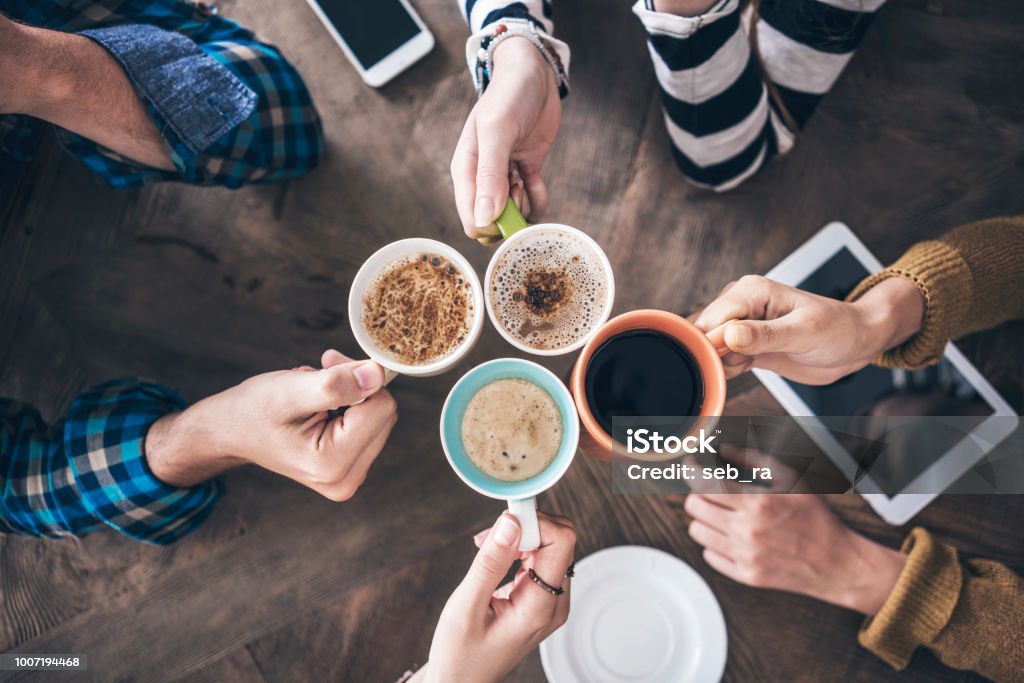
[(639, 615)]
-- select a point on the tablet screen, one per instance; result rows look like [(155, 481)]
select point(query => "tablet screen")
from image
[(939, 390)]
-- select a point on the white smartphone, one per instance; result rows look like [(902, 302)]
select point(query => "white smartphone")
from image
[(381, 38)]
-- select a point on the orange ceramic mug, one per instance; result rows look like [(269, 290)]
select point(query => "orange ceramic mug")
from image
[(705, 349)]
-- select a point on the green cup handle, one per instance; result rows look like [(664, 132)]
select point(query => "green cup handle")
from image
[(511, 220)]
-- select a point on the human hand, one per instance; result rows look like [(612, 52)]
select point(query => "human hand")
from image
[(795, 543), (510, 130), (285, 422), (485, 630), (805, 337)]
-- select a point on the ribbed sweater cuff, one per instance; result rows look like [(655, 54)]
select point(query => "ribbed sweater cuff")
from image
[(944, 280), (920, 604)]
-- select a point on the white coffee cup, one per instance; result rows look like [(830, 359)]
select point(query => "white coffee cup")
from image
[(378, 262), (514, 229)]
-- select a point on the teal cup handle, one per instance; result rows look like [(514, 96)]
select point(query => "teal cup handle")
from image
[(520, 495)]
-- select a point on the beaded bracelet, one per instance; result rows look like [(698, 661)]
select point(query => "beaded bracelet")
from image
[(506, 29)]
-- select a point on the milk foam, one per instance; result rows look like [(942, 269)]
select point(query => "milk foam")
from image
[(543, 321), (512, 429)]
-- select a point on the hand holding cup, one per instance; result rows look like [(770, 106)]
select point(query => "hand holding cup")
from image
[(285, 422), (487, 628), (805, 337), (513, 125)]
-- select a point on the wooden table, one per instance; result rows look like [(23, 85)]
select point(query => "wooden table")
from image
[(200, 288)]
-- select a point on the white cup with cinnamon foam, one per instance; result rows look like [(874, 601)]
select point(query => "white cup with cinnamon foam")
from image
[(416, 307), (549, 287)]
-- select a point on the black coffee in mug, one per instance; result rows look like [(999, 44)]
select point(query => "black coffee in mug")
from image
[(643, 373)]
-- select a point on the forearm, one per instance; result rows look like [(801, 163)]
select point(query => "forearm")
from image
[(482, 13), (92, 469), (803, 50), (892, 312), (985, 632), (970, 279), (165, 98), (493, 22), (185, 449), (993, 253), (969, 614), (874, 570), (74, 83), (684, 8)]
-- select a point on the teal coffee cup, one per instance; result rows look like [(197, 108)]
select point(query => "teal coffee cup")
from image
[(521, 495)]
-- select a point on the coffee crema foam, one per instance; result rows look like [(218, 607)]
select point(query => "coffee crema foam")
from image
[(418, 309), (512, 429), (549, 290)]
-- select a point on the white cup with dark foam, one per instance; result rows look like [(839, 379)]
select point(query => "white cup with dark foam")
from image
[(549, 287), (403, 324)]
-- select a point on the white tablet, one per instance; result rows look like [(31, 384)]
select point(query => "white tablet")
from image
[(898, 483)]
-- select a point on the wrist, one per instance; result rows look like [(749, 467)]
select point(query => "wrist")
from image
[(517, 53), (183, 449), (871, 576), (890, 313), (684, 8)]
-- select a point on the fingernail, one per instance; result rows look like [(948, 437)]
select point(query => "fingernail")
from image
[(484, 212), (740, 336), (367, 377), (505, 532)]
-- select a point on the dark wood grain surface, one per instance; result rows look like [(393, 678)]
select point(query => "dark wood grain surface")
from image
[(199, 288)]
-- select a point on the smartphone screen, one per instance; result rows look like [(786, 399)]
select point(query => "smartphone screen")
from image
[(372, 29)]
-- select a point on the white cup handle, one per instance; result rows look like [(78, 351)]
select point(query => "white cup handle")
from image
[(525, 510), (388, 376)]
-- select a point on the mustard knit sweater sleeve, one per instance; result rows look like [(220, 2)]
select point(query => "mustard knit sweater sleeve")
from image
[(971, 278), (969, 613)]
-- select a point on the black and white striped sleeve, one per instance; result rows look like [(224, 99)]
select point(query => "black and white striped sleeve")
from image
[(484, 16), (722, 122), (806, 44)]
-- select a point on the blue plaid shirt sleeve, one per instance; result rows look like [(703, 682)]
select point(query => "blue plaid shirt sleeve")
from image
[(232, 109), (90, 470)]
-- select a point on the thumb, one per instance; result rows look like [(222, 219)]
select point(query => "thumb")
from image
[(492, 168), (756, 337), (495, 557), (337, 386), (332, 357)]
